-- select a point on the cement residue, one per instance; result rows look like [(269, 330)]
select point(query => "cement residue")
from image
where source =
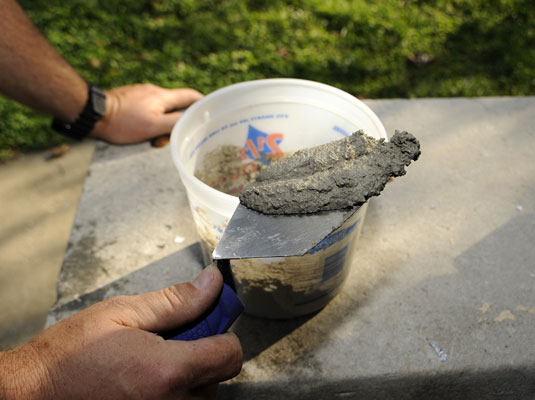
[(285, 289), (81, 268), (336, 175), (293, 286), (224, 170), (205, 228)]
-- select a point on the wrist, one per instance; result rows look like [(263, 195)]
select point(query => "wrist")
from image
[(70, 105), (102, 128), (23, 375)]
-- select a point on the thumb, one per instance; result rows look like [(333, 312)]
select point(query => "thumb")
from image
[(176, 305)]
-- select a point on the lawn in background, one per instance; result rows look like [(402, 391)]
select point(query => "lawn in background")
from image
[(371, 49)]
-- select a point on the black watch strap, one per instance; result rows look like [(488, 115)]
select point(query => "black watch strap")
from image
[(94, 109)]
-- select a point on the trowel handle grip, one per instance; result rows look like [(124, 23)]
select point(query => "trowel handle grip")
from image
[(215, 321)]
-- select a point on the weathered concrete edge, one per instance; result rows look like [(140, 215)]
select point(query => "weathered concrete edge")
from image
[(513, 383)]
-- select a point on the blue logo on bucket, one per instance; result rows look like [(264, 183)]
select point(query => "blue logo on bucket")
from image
[(261, 146), (334, 264)]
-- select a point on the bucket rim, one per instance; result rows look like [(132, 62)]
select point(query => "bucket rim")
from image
[(229, 200)]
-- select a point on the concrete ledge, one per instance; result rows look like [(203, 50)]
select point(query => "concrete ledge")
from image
[(501, 384), (440, 301)]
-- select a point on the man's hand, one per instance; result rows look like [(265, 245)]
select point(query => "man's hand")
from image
[(33, 73), (107, 351), (143, 111)]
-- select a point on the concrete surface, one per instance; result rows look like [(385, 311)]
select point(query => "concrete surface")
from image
[(133, 211), (440, 302), (39, 197)]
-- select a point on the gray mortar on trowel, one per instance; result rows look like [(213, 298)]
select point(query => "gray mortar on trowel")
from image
[(336, 175)]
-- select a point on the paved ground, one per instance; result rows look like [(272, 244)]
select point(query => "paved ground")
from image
[(445, 262), (439, 302), (39, 196)]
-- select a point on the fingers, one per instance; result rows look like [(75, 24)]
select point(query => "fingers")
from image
[(164, 123), (173, 306), (139, 112), (174, 99), (209, 360)]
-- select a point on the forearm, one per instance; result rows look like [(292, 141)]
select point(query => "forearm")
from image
[(32, 72), (22, 375)]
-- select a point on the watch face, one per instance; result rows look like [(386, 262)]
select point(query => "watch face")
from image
[(98, 100)]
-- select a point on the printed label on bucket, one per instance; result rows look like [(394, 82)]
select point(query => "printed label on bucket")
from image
[(334, 238), (232, 166), (261, 146), (261, 142), (334, 264)]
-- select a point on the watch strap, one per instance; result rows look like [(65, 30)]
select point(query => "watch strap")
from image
[(94, 109)]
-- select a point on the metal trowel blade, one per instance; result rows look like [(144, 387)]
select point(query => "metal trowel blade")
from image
[(250, 234)]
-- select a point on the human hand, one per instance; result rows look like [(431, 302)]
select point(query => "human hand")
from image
[(139, 112), (107, 351)]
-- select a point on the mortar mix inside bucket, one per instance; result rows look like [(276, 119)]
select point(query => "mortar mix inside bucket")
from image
[(223, 140)]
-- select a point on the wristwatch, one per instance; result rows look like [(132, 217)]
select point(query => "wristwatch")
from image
[(94, 109)]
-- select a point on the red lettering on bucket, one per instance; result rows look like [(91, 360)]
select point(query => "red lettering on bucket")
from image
[(252, 149), (272, 142), (260, 143), (267, 146), (242, 153)]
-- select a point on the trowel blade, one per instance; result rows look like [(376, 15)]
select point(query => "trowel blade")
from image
[(250, 234)]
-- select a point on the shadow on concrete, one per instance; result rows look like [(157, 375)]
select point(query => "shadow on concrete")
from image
[(488, 358), (258, 334), (180, 266), (502, 264), (495, 384), (502, 257), (20, 331)]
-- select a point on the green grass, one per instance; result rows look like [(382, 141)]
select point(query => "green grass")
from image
[(372, 49)]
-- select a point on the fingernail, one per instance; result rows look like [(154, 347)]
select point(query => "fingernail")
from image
[(205, 277)]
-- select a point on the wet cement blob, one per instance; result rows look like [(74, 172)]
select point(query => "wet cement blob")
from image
[(336, 175)]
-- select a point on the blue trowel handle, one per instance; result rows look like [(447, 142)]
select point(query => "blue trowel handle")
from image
[(215, 321)]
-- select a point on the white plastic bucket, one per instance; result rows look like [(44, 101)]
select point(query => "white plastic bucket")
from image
[(260, 117)]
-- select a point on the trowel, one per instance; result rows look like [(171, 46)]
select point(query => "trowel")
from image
[(250, 234)]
